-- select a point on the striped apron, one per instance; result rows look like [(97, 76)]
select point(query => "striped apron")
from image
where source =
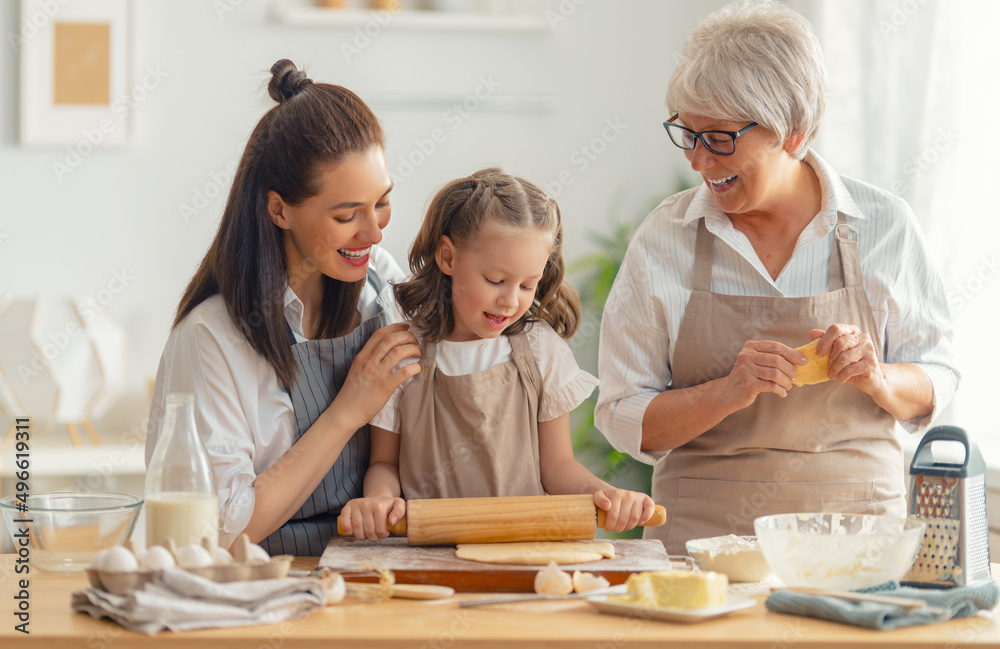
[(322, 369)]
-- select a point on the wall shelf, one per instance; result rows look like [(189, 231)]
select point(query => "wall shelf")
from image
[(408, 19)]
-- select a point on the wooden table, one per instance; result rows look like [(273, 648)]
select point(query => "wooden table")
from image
[(442, 625)]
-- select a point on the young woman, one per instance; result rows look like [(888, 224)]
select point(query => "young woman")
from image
[(284, 334)]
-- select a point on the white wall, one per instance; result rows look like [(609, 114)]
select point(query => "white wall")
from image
[(119, 210)]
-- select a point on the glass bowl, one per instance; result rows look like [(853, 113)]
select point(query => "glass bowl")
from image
[(838, 551), (68, 528)]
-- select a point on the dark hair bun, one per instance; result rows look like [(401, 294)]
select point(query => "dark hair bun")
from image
[(286, 81)]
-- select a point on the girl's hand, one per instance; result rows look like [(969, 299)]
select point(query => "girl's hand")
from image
[(372, 379), (368, 518), (853, 358), (625, 509)]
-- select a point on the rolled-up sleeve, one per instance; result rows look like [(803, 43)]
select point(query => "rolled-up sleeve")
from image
[(919, 328), (633, 362)]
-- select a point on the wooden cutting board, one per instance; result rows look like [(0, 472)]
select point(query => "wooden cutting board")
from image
[(438, 564)]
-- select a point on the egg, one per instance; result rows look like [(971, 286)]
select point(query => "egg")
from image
[(584, 582), (119, 559), (220, 556), (97, 563), (257, 554), (193, 556), (157, 558), (553, 581)]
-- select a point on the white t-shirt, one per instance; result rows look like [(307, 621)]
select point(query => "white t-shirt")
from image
[(565, 385), (243, 414)]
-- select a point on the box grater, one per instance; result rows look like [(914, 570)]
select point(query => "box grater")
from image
[(951, 500)]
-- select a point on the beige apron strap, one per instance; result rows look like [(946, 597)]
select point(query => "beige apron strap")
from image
[(845, 261), (524, 359), (428, 356), (703, 258)]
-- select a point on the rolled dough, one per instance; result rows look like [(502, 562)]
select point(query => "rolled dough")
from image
[(536, 553)]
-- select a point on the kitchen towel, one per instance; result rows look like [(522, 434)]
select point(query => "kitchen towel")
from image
[(180, 601), (962, 601)]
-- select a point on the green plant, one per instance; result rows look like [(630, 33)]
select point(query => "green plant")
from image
[(593, 276)]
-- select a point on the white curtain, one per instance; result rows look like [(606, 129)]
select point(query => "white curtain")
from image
[(913, 107)]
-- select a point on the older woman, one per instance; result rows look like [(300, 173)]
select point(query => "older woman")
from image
[(723, 281)]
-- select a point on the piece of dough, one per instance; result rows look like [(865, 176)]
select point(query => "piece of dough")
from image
[(536, 553), (816, 368)]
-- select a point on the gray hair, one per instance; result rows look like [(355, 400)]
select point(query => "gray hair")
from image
[(755, 61)]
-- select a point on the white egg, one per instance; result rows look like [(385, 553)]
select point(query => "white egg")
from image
[(257, 554), (193, 556), (97, 563), (553, 581), (119, 559), (221, 556), (157, 558)]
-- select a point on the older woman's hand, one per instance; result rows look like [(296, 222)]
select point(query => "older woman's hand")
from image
[(763, 366), (853, 358)]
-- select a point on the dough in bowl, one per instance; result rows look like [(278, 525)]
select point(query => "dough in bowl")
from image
[(536, 553)]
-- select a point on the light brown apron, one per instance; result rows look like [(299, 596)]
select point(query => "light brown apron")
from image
[(473, 435), (823, 448)]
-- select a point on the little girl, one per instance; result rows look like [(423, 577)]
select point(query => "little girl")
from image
[(488, 413)]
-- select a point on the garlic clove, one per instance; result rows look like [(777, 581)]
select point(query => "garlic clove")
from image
[(553, 581), (584, 582)]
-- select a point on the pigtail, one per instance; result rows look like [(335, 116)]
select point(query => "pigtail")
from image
[(556, 302)]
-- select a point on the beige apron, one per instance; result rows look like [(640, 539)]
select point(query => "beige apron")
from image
[(473, 435), (826, 447)]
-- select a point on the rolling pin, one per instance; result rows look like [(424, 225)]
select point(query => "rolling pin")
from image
[(449, 521)]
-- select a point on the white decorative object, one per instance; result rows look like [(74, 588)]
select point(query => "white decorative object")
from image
[(59, 362)]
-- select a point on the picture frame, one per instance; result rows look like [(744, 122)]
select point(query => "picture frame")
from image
[(74, 72)]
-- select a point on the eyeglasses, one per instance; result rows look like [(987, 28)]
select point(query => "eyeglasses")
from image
[(718, 142)]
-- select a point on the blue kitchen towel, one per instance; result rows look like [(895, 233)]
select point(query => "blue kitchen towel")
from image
[(961, 601)]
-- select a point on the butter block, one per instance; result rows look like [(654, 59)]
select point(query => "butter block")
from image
[(678, 589)]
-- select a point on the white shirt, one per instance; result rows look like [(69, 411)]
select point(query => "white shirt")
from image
[(565, 385), (242, 411), (650, 294)]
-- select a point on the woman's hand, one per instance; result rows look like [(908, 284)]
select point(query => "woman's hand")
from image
[(625, 509), (372, 379), (369, 518), (852, 356), (763, 366)]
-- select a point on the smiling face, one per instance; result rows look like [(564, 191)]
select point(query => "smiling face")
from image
[(493, 280), (331, 233), (749, 180)]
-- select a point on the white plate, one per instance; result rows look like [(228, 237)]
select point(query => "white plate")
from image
[(734, 602)]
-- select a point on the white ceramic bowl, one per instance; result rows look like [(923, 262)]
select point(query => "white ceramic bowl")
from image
[(738, 557), (68, 528), (838, 551)]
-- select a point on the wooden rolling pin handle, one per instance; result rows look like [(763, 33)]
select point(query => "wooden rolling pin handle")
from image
[(399, 528), (658, 518)]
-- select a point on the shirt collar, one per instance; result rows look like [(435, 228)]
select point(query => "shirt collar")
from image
[(835, 198), (293, 313)]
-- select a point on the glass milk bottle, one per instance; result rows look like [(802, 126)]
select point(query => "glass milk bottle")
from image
[(181, 501)]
